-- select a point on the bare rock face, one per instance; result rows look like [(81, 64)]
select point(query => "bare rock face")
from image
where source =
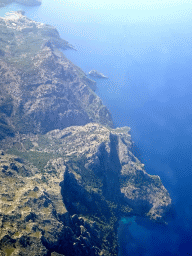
[(96, 74), (43, 89), (107, 153), (86, 170), (66, 176), (33, 217)]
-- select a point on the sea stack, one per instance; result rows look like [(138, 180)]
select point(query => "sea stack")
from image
[(96, 74)]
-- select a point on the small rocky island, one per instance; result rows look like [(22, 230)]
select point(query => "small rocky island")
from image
[(67, 175), (96, 74)]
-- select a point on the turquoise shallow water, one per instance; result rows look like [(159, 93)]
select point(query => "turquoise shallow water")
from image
[(147, 55)]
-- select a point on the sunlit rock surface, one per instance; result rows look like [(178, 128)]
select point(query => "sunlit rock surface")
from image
[(41, 89), (86, 170), (66, 176), (96, 74)]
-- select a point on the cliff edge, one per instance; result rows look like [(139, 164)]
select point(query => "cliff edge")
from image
[(67, 175)]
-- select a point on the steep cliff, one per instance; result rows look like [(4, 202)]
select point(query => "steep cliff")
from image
[(41, 88), (67, 176), (85, 170)]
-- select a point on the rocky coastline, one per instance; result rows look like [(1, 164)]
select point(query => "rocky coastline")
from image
[(67, 175)]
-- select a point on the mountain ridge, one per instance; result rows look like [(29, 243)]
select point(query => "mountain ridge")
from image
[(67, 175)]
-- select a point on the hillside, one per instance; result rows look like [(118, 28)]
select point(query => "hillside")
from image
[(67, 175)]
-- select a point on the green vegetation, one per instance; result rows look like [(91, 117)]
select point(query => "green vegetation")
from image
[(43, 141), (9, 251), (27, 144), (19, 51), (91, 182), (37, 158), (80, 170)]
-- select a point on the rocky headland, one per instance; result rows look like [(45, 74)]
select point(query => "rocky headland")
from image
[(67, 175)]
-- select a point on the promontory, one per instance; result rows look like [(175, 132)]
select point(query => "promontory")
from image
[(67, 175)]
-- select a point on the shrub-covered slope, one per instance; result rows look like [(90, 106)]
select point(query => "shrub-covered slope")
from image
[(66, 176), (85, 170), (42, 89)]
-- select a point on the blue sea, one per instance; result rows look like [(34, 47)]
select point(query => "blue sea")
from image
[(145, 48)]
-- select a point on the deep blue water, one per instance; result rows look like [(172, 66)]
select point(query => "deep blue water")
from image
[(147, 55)]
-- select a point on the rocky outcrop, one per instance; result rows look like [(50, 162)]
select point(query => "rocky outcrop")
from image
[(66, 176), (33, 217), (96, 74), (86, 170)]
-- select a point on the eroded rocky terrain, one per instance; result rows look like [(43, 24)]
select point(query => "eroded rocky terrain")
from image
[(40, 89), (66, 175)]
